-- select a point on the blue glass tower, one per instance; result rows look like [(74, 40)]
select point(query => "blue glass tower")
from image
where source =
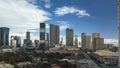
[(4, 36)]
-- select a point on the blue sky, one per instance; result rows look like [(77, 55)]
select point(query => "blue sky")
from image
[(103, 16), (81, 15)]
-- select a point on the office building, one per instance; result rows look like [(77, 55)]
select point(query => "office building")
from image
[(4, 36), (83, 40), (36, 42), (69, 37), (42, 37), (96, 42), (13, 42), (54, 35), (27, 41), (17, 40), (76, 41), (47, 41), (28, 35), (88, 42), (95, 35)]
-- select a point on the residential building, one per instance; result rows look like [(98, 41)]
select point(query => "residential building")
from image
[(83, 40), (69, 37), (54, 35)]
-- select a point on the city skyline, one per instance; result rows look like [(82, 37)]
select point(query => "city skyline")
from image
[(81, 16)]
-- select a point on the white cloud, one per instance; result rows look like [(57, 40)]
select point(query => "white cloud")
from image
[(111, 41), (63, 25), (47, 3), (21, 15), (71, 10)]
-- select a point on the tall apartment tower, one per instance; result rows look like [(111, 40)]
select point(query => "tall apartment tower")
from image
[(86, 41), (94, 35), (4, 36), (83, 40), (76, 41), (47, 41), (119, 30), (97, 41), (69, 37), (42, 37), (54, 35)]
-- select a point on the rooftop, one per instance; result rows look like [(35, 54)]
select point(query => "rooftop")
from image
[(106, 53)]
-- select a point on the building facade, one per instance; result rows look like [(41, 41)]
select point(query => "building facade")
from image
[(69, 37), (17, 39), (4, 36), (83, 40), (88, 42), (27, 41), (47, 41), (54, 35), (42, 36), (97, 41), (76, 41)]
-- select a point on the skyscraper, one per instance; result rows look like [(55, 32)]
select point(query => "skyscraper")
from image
[(83, 40), (17, 39), (94, 35), (86, 41), (47, 41), (27, 41), (42, 37), (28, 35), (69, 37), (4, 36), (97, 41), (76, 41), (54, 35)]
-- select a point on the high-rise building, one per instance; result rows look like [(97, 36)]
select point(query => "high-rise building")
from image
[(42, 37), (27, 41), (83, 40), (69, 37), (4, 36), (17, 39), (28, 35), (88, 42), (95, 35), (47, 41), (13, 41), (54, 35), (97, 42), (76, 41), (36, 43)]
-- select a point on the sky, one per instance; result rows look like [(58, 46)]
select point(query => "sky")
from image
[(87, 16)]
